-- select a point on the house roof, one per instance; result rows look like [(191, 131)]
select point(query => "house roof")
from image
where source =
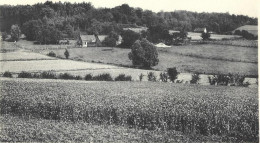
[(91, 38), (199, 29), (137, 30)]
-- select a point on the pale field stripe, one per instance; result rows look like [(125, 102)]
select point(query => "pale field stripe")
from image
[(19, 55), (48, 65)]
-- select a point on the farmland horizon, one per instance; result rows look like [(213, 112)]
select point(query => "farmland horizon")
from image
[(242, 7)]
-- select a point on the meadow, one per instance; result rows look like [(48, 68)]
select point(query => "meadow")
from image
[(205, 112), (204, 58)]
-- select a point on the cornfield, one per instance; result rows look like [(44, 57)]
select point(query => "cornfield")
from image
[(230, 113)]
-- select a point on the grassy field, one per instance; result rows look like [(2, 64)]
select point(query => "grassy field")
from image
[(192, 58), (21, 55), (202, 58), (225, 113)]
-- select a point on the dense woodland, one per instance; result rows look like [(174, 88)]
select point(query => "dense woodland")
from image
[(66, 20)]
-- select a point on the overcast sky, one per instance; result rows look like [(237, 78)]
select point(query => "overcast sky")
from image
[(244, 7)]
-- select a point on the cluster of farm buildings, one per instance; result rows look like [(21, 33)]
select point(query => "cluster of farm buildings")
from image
[(96, 40)]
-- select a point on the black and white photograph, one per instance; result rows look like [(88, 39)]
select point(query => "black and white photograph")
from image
[(129, 71)]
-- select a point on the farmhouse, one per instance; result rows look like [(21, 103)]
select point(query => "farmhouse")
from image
[(253, 29), (92, 40), (95, 40), (200, 30)]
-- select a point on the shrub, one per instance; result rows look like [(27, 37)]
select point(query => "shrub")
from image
[(151, 76), (7, 74), (164, 77), (88, 77), (205, 36), (51, 54), (24, 74), (48, 75), (15, 32), (67, 54), (238, 80), (66, 76), (78, 77), (4, 36), (173, 74), (109, 42), (141, 76), (144, 53), (195, 78), (103, 77), (123, 77)]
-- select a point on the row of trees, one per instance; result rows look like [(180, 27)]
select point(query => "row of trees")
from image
[(85, 16)]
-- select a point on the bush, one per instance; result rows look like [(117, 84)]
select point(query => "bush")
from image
[(15, 32), (230, 79), (205, 36), (173, 74), (109, 42), (24, 74), (144, 53), (66, 76), (103, 77), (141, 76), (51, 54), (4, 36), (88, 77), (123, 77), (48, 75), (195, 78), (78, 77), (151, 76), (67, 54), (7, 74), (164, 77)]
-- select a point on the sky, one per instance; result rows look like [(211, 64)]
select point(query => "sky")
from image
[(237, 7)]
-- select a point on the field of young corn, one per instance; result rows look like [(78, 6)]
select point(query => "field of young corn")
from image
[(229, 113)]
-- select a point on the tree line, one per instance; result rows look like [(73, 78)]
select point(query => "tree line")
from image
[(87, 18)]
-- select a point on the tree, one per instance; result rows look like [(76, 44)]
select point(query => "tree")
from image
[(158, 33), (143, 53), (205, 36), (4, 36), (129, 37), (15, 32), (110, 41), (67, 54)]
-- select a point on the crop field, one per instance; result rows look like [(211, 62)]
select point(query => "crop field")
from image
[(40, 130), (223, 113)]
